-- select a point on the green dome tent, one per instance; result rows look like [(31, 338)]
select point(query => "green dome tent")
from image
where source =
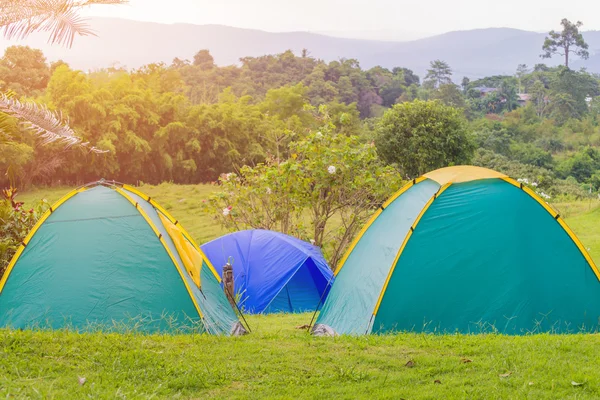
[(108, 257), (464, 249)]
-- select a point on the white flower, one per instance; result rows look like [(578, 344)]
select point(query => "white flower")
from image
[(318, 135), (269, 191), (544, 195), (520, 180), (534, 184), (228, 176), (226, 212), (331, 169)]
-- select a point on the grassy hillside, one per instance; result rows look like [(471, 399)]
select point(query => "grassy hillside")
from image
[(279, 361), (587, 227)]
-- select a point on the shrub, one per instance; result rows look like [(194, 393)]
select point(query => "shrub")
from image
[(15, 224)]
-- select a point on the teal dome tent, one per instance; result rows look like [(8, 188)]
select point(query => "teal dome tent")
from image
[(108, 257), (464, 249)]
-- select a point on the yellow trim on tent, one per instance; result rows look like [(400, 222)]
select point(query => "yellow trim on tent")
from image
[(191, 259), (174, 221), (462, 173), (561, 221), (533, 194), (372, 220), (406, 239), (35, 228), (162, 240)]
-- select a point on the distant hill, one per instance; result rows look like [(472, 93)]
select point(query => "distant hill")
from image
[(474, 53), (390, 35)]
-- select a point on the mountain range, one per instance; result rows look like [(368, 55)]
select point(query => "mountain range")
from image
[(472, 53)]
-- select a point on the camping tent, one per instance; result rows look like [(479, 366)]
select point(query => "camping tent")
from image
[(464, 249), (107, 256), (272, 272)]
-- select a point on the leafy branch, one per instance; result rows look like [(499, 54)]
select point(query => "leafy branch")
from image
[(50, 126)]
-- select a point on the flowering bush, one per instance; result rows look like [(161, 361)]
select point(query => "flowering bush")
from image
[(534, 186), (15, 224), (323, 193)]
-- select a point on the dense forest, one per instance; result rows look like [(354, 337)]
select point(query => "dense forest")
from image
[(190, 121)]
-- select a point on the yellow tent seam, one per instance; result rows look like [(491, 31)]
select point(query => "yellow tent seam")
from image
[(561, 222), (173, 220), (33, 231), (162, 241), (184, 249), (372, 220), (405, 242)]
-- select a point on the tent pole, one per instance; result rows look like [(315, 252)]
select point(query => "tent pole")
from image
[(228, 286), (320, 301)]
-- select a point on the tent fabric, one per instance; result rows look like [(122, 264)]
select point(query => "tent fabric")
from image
[(190, 257), (95, 262), (218, 316), (272, 272), (462, 174), (352, 299), (484, 256)]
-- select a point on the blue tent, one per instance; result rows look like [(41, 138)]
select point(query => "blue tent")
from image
[(272, 272)]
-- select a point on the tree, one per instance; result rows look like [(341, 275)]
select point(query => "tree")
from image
[(24, 70), (422, 136), (347, 91), (450, 95), (335, 180), (522, 71), (320, 91), (20, 18), (204, 60), (569, 91), (508, 96), (465, 84), (439, 74), (539, 97), (563, 106), (408, 76), (570, 40), (286, 102)]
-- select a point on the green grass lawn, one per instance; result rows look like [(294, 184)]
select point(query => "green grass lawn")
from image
[(279, 361)]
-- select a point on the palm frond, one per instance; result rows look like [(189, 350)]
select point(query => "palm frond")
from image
[(48, 125), (4, 128), (61, 18), (6, 125)]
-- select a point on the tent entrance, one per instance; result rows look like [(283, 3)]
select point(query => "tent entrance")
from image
[(299, 295)]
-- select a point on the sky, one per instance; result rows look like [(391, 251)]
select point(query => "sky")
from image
[(362, 17)]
